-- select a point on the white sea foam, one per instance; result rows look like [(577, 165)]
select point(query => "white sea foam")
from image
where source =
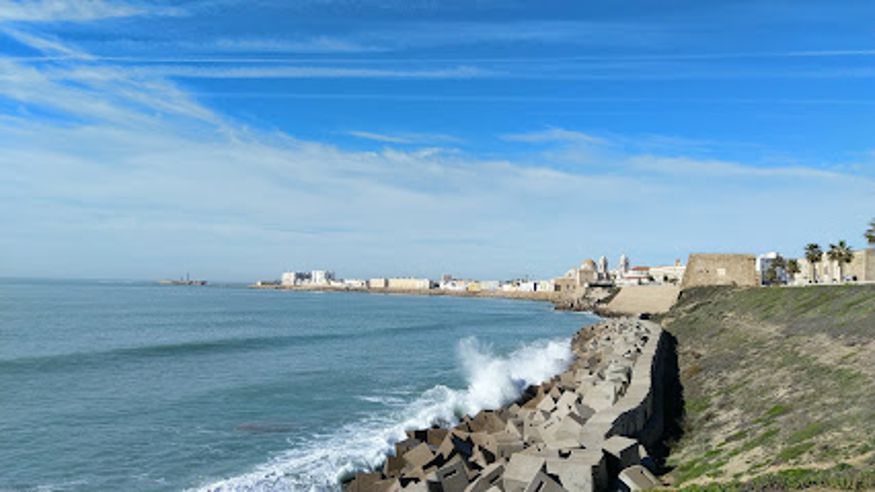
[(323, 461)]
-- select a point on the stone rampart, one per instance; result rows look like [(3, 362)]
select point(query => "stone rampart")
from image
[(706, 269)]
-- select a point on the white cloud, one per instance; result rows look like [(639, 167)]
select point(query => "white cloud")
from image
[(405, 138), (717, 168), (554, 135), (138, 179), (304, 71), (74, 10), (318, 44)]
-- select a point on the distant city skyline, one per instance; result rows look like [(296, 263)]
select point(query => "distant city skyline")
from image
[(236, 140)]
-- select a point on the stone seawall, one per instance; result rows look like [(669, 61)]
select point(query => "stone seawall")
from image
[(591, 428)]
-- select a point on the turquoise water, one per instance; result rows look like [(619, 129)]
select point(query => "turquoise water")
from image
[(135, 386)]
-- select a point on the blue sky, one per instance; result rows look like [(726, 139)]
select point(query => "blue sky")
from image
[(235, 139)]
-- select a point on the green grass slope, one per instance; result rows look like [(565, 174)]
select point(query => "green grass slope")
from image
[(779, 388)]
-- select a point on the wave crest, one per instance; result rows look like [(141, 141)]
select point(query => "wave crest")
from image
[(325, 460)]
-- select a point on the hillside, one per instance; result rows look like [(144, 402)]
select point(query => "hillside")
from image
[(779, 388)]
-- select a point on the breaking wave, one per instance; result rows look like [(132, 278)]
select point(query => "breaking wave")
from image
[(324, 460)]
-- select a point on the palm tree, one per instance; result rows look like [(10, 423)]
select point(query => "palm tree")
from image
[(870, 233), (793, 268), (813, 254), (840, 253)]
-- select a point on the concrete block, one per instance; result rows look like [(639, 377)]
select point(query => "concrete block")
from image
[(418, 457), (489, 477), (545, 429), (571, 475), (638, 478), (583, 411), (393, 466), (543, 483), (453, 476), (541, 450), (520, 471), (601, 396), (506, 445), (531, 434), (523, 413), (484, 440), (514, 427), (406, 445), (511, 411), (373, 482), (582, 470), (621, 452), (416, 487), (566, 433), (486, 421), (539, 416), (435, 436), (565, 403), (481, 458), (456, 442), (535, 398), (363, 482), (547, 404)]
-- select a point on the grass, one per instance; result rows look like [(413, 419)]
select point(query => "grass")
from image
[(840, 477), (777, 411), (810, 431), (790, 453), (773, 378)]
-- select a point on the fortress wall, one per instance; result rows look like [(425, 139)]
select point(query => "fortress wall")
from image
[(720, 269)]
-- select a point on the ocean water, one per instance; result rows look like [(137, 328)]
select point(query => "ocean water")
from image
[(136, 386)]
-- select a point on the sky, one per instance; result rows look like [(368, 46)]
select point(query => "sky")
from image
[(493, 139)]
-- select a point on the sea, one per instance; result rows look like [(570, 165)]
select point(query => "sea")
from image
[(109, 385)]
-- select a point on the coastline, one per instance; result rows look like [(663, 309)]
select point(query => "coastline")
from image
[(553, 297), (583, 429)]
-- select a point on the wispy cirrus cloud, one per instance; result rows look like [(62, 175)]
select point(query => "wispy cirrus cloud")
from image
[(312, 45), (113, 161), (405, 137), (76, 10), (310, 71), (554, 135)]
